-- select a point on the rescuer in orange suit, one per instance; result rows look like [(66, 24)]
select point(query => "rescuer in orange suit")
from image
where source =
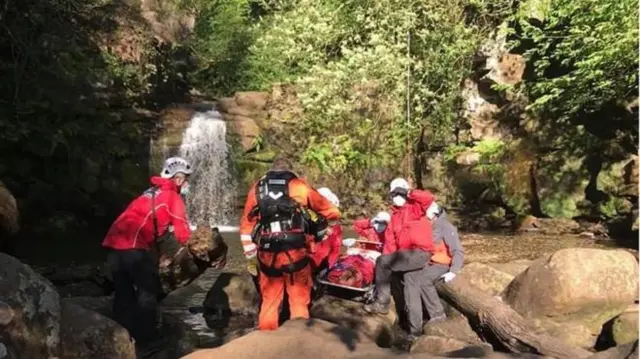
[(275, 236)]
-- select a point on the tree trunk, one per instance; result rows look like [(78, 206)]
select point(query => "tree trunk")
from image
[(502, 326)]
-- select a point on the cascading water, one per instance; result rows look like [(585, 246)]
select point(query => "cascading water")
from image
[(212, 192)]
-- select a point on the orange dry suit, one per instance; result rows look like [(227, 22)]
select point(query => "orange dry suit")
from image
[(275, 227)]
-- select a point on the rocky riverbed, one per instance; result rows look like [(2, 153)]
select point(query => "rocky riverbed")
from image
[(219, 306)]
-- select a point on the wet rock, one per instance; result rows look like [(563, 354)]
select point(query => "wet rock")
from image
[(350, 314), (514, 267), (233, 293), (485, 277), (572, 279), (88, 334), (437, 345), (455, 328), (246, 128), (34, 331)]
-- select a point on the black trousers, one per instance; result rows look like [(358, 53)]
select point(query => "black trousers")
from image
[(137, 285)]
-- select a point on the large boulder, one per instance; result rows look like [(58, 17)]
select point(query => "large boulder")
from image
[(573, 279), (350, 314), (88, 334), (296, 338), (485, 277), (317, 339), (33, 329), (234, 294)]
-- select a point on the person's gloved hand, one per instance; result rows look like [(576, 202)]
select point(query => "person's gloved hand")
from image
[(252, 266), (349, 242), (448, 277)]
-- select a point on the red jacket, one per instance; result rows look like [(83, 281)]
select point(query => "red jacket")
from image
[(409, 227), (364, 229), (329, 248), (134, 228)]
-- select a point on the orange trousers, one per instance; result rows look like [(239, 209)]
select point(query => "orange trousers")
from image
[(298, 286)]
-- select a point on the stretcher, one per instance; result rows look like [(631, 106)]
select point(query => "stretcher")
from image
[(359, 294)]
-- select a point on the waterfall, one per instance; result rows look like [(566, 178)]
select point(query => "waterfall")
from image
[(212, 194)]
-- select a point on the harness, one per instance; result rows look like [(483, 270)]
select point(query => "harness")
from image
[(282, 223), (155, 248)]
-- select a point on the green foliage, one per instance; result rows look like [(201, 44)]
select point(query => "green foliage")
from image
[(350, 62), (223, 34), (584, 56), (67, 146)]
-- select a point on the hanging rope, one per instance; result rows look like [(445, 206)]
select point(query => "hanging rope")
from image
[(408, 119)]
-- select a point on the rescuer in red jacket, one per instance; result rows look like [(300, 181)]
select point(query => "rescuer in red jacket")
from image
[(129, 240), (326, 253), (408, 242)]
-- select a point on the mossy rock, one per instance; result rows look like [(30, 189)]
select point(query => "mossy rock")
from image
[(562, 180), (262, 156), (625, 328)]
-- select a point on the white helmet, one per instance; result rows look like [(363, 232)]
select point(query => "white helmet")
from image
[(175, 165), (399, 183), (328, 194), (382, 217)]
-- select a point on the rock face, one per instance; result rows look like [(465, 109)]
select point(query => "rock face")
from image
[(572, 279), (244, 112), (87, 334), (350, 314), (34, 330)]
